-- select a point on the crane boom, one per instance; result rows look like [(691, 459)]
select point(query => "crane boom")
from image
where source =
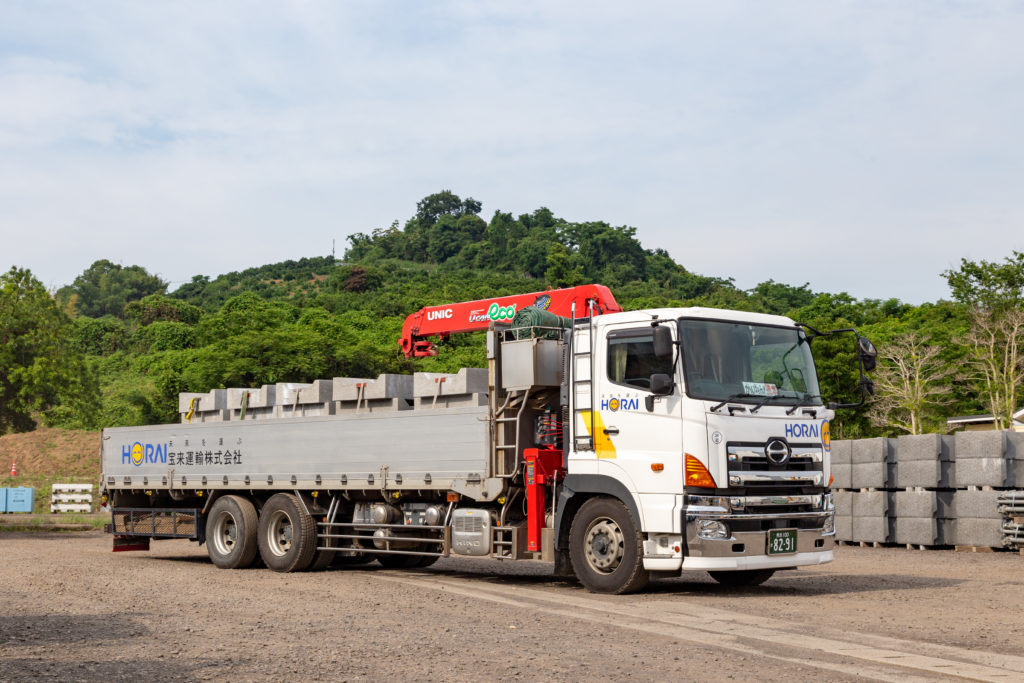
[(469, 316)]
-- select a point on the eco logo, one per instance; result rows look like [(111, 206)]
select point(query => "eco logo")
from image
[(496, 312)]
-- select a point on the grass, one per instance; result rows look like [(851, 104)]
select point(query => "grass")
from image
[(47, 523)]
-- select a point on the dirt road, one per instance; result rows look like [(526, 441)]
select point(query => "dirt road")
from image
[(70, 608)]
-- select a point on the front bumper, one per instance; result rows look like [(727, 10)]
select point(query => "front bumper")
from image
[(746, 545)]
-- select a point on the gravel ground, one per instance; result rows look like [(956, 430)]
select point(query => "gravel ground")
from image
[(71, 609)]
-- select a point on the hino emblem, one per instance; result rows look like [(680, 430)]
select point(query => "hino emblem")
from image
[(777, 451)]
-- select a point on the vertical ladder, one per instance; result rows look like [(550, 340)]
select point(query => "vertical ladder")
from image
[(581, 358)]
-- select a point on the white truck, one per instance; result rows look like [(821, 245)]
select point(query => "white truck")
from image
[(616, 446)]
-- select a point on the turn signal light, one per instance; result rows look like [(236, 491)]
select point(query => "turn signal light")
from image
[(831, 478), (698, 475), (657, 466)]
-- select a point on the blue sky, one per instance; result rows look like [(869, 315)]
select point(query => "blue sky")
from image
[(858, 146)]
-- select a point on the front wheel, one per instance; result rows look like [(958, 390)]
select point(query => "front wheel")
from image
[(287, 534), (743, 577), (606, 548)]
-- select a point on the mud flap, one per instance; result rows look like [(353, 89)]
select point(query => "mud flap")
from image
[(126, 543)]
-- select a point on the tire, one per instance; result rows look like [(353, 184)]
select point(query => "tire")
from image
[(606, 548), (743, 577), (322, 559), (287, 534), (231, 527)]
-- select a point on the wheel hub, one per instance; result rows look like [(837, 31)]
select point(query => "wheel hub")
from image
[(604, 545)]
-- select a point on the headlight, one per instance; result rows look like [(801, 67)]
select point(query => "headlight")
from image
[(712, 529), (830, 524)]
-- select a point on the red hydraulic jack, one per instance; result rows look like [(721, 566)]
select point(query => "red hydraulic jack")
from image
[(543, 467)]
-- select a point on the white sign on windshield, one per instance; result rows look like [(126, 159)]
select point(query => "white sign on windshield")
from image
[(755, 389)]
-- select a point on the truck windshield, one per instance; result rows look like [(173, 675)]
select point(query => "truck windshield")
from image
[(747, 363)]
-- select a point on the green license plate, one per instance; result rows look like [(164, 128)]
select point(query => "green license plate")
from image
[(781, 541)]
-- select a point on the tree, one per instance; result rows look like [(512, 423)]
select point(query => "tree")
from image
[(912, 380), (996, 360), (40, 371), (104, 288), (988, 286)]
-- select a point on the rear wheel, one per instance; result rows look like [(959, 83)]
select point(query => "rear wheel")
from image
[(231, 532), (743, 577), (606, 548), (287, 534)]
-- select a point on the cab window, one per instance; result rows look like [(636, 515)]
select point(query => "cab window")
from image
[(631, 359)]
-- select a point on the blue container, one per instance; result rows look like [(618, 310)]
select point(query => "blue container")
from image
[(3, 500), (20, 499)]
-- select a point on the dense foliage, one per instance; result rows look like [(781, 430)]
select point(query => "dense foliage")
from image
[(114, 348)]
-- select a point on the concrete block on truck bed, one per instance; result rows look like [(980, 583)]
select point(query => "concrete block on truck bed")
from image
[(315, 400), (387, 393), (982, 472), (980, 532), (209, 407), (259, 403), (436, 389), (20, 499), (842, 469), (976, 445), (976, 504)]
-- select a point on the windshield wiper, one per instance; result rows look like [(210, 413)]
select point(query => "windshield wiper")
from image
[(761, 403), (802, 402), (733, 398)]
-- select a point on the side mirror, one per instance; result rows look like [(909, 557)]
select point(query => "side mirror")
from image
[(867, 353), (661, 384), (663, 346)]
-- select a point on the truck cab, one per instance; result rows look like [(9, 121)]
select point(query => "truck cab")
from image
[(708, 427)]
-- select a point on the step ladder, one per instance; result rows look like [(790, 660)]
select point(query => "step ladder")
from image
[(581, 365)]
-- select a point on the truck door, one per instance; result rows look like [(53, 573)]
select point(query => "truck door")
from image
[(644, 437)]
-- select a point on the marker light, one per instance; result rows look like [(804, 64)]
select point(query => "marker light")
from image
[(697, 475), (657, 466)]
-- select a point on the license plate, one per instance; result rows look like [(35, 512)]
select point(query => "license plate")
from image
[(781, 541)]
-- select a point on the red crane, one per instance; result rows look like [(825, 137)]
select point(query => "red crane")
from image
[(469, 316)]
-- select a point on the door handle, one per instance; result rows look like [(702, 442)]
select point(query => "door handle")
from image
[(611, 431)]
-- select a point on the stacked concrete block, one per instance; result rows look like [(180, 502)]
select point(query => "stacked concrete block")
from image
[(209, 407), (924, 517), (440, 390), (981, 459), (387, 393), (1015, 458), (844, 515), (873, 464), (924, 461), (842, 464), (259, 403), (872, 516), (978, 520)]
